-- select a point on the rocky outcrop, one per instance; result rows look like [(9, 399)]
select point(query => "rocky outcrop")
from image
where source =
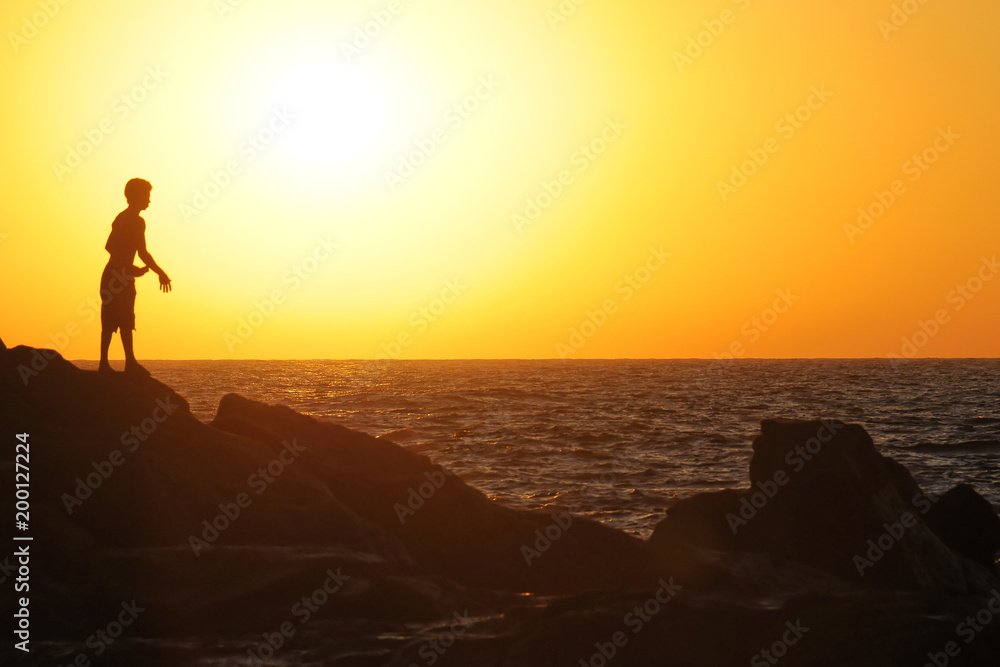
[(822, 496), (216, 525), (966, 522), (446, 525), (224, 532)]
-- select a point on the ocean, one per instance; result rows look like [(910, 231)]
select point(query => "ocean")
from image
[(621, 441)]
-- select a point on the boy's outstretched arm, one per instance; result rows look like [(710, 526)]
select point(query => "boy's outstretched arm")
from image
[(151, 263)]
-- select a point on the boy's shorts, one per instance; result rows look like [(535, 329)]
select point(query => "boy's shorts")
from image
[(117, 300)]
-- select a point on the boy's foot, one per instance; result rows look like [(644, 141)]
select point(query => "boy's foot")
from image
[(105, 367), (134, 368)]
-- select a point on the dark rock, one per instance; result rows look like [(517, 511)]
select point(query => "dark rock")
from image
[(684, 542), (856, 627), (687, 521), (822, 496), (449, 527), (967, 523)]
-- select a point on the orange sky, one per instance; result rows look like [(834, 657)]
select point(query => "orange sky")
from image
[(534, 179)]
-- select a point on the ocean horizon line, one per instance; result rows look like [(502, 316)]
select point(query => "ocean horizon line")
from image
[(587, 359)]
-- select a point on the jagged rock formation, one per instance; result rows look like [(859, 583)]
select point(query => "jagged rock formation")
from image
[(134, 497), (822, 496)]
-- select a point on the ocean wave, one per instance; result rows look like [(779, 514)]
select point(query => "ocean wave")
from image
[(661, 428), (968, 447)]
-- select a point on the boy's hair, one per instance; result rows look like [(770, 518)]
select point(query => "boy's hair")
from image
[(137, 187)]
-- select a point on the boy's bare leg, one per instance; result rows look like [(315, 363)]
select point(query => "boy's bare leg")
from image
[(105, 346), (131, 364)]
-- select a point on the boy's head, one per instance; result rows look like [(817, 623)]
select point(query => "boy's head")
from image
[(137, 192)]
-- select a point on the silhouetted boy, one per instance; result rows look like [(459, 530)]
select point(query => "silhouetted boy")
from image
[(128, 237)]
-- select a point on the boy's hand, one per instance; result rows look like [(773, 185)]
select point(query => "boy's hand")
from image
[(165, 283), (136, 271)]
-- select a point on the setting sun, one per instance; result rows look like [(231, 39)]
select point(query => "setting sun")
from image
[(340, 112)]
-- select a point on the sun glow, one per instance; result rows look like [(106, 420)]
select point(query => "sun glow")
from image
[(340, 113)]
